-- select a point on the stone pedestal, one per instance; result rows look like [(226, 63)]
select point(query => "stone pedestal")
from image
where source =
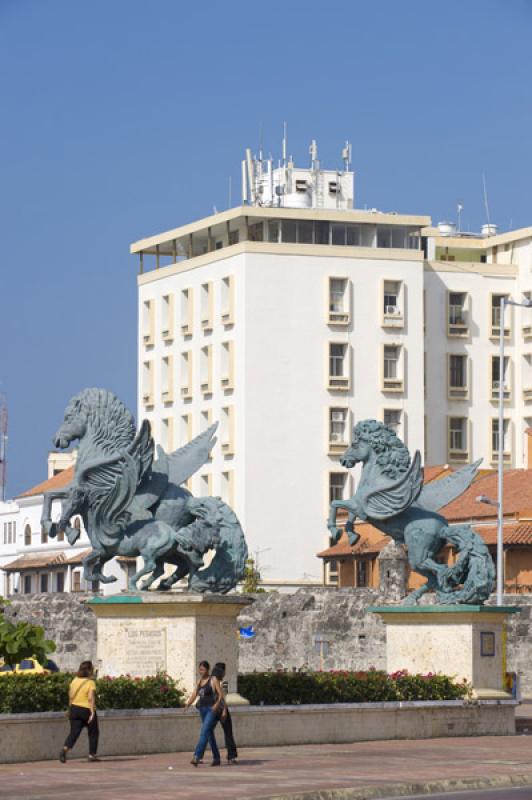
[(141, 634), (461, 641)]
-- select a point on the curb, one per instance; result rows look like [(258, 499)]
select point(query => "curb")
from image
[(404, 789)]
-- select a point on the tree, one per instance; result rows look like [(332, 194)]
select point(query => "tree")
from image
[(251, 584), (20, 640)]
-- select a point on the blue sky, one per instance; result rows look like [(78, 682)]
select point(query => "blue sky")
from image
[(121, 119)]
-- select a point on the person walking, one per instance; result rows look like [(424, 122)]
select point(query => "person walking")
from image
[(210, 695), (218, 671), (82, 711)]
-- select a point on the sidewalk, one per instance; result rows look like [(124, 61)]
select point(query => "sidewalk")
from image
[(361, 770)]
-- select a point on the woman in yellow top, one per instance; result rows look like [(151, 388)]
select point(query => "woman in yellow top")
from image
[(82, 711)]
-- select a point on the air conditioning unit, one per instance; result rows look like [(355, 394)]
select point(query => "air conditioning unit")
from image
[(392, 311), (301, 186)]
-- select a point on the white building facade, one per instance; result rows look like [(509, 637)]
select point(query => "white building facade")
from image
[(291, 317)]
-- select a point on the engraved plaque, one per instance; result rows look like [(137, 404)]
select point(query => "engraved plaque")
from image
[(144, 651)]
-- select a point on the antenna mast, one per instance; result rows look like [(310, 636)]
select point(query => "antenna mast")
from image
[(3, 446)]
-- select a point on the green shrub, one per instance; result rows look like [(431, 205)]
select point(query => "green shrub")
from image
[(294, 688), (21, 693)]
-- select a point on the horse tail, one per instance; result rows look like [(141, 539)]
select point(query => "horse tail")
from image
[(473, 570)]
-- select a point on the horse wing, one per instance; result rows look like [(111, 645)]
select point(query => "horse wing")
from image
[(396, 497), (439, 493), (187, 460)]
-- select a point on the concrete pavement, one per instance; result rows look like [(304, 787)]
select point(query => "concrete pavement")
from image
[(339, 772)]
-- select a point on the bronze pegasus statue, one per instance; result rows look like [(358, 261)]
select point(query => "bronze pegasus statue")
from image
[(391, 496), (132, 504)]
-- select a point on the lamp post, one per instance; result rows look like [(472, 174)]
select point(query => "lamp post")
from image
[(505, 301)]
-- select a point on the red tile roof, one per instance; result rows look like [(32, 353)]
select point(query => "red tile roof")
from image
[(58, 481), (36, 561), (517, 497)]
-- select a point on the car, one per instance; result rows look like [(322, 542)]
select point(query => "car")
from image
[(30, 666)]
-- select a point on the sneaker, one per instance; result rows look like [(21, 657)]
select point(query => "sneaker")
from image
[(62, 757), (195, 761), (232, 761), (93, 758)]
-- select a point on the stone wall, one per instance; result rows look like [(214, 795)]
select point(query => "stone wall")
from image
[(319, 629), (65, 619)]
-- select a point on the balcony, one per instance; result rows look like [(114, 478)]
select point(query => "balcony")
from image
[(392, 385), (458, 393), (392, 317), (457, 326), (338, 383)]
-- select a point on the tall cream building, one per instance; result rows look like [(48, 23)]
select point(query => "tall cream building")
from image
[(294, 314)]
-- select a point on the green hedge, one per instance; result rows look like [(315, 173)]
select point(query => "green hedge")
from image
[(21, 693), (294, 688)]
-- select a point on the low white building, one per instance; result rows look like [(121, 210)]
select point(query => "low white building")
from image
[(294, 314), (32, 562)]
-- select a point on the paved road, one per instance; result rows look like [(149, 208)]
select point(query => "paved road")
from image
[(524, 793), (268, 771)]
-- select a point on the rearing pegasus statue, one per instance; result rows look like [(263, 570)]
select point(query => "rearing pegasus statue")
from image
[(134, 505), (391, 497)]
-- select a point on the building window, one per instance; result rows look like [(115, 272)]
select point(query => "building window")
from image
[(227, 365), (338, 366), (44, 537), (227, 430), (167, 434), (186, 374), (289, 231), (206, 369), (255, 232), (496, 316), (338, 313), (362, 573), (187, 309), (393, 368), (274, 230), (506, 445), (338, 427), (27, 584), (234, 237), (148, 314), (60, 582), (147, 383), (228, 487), (337, 484), (167, 379), (457, 322), (185, 431), (331, 572), (392, 419), (168, 317), (392, 304), (27, 535), (76, 581), (43, 582), (458, 444), (496, 378), (228, 300), (457, 377), (206, 306)]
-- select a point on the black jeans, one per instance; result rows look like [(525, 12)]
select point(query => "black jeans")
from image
[(79, 719), (227, 725)]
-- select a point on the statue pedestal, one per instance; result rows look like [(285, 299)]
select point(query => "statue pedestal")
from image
[(462, 641), (142, 634)]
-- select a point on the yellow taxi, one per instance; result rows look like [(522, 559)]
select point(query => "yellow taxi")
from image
[(30, 666)]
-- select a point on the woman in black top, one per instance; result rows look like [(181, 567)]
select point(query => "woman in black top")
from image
[(218, 671), (210, 696)]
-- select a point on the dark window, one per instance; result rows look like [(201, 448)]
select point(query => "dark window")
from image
[(27, 584), (233, 237), (60, 581), (44, 583), (52, 666), (27, 536), (304, 232), (26, 663), (321, 233), (289, 231), (362, 573), (6, 668)]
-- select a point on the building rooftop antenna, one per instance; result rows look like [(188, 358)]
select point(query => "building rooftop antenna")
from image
[(486, 206), (346, 155), (3, 447)]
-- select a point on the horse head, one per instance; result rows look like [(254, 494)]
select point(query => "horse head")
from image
[(373, 441), (99, 415)]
